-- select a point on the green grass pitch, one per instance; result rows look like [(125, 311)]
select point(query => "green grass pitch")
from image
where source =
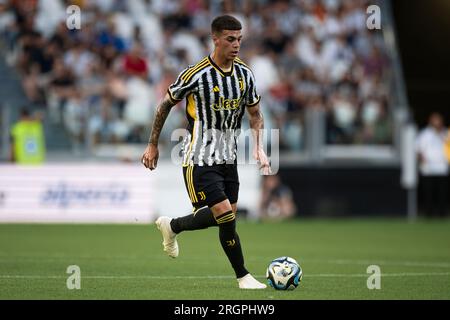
[(127, 261)]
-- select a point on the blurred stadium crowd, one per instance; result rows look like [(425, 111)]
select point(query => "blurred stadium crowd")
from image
[(104, 81)]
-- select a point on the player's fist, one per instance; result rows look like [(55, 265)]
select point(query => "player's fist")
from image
[(150, 157)]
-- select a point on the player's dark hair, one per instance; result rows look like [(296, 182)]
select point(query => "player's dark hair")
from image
[(225, 22)]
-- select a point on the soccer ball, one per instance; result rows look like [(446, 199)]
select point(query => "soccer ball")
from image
[(284, 273)]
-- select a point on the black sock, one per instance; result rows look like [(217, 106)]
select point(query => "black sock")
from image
[(229, 240), (201, 219)]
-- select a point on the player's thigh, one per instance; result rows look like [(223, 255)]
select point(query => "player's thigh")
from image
[(232, 183), (205, 185)]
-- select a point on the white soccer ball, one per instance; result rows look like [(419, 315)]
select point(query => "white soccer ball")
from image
[(284, 273)]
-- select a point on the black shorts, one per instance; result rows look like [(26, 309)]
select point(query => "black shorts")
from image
[(209, 185)]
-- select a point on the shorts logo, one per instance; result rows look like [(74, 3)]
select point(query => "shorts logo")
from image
[(216, 89), (202, 195), (231, 243)]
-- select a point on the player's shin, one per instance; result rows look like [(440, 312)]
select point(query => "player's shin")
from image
[(229, 240), (200, 219)]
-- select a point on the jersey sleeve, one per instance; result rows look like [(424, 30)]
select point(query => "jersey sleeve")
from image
[(181, 87), (253, 97)]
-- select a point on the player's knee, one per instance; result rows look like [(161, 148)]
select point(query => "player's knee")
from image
[(221, 208), (234, 207), (227, 218)]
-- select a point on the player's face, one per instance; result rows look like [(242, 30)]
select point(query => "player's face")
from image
[(228, 43)]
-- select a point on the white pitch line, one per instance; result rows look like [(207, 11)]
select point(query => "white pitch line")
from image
[(54, 258), (385, 262), (317, 275), (365, 275), (113, 277)]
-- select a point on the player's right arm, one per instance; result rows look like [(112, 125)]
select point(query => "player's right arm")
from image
[(151, 153), (176, 92)]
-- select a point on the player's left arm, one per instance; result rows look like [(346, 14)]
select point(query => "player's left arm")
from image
[(257, 125)]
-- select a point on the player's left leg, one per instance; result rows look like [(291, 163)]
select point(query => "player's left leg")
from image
[(231, 183), (225, 217), (224, 213)]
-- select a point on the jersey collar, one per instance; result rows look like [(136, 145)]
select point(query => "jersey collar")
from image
[(222, 73)]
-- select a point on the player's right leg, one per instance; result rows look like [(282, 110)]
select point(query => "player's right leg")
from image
[(198, 181), (201, 218), (170, 242), (195, 179)]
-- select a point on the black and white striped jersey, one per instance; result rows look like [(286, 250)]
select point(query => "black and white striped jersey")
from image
[(215, 104)]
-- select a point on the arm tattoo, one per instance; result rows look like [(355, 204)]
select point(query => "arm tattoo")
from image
[(257, 121), (160, 117), (257, 124)]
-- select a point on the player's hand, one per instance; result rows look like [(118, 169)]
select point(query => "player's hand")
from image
[(262, 160), (150, 157)]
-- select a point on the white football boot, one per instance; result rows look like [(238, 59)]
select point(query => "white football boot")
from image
[(249, 282), (170, 243)]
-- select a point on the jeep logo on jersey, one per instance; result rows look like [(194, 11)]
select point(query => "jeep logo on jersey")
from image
[(226, 104)]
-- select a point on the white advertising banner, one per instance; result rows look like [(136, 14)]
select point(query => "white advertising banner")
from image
[(104, 193), (92, 193)]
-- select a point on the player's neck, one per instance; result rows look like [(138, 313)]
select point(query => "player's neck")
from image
[(221, 62)]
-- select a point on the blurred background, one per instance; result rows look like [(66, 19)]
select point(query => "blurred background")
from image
[(350, 103)]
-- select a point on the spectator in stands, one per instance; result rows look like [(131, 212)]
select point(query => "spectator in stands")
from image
[(106, 125), (135, 64), (61, 87), (309, 53), (376, 126), (79, 59), (433, 163), (74, 119), (28, 140), (108, 37), (276, 199)]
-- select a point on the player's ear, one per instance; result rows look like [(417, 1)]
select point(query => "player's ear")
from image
[(215, 37)]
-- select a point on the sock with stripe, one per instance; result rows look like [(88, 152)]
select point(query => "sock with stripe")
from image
[(201, 219), (229, 240)]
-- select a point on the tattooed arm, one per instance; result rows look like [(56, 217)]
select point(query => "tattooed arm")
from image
[(257, 125), (151, 153)]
